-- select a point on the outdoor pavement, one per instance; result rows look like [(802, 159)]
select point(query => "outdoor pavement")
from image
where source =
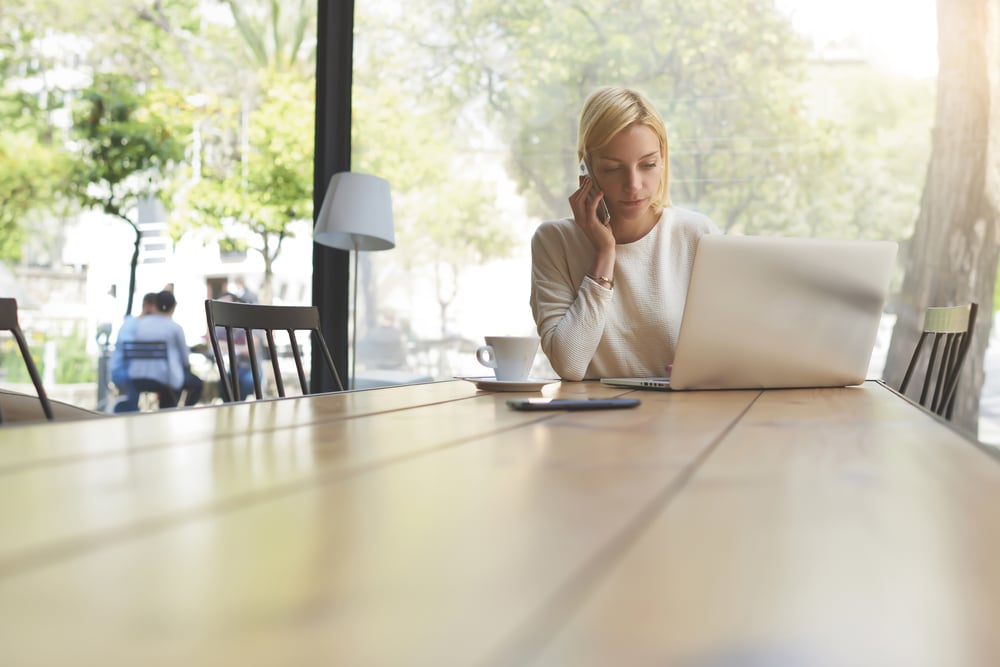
[(989, 401)]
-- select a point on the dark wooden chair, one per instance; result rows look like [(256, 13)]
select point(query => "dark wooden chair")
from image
[(950, 331), (8, 322), (150, 350), (252, 317)]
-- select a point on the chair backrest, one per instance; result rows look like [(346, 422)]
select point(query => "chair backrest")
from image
[(251, 317), (150, 350), (8, 321), (950, 331), (144, 349)]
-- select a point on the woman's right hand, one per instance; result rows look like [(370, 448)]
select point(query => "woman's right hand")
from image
[(585, 214)]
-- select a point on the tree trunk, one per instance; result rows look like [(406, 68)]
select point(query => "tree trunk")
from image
[(952, 257), (266, 292), (133, 265)]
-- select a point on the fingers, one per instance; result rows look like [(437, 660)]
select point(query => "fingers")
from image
[(584, 203), (593, 203)]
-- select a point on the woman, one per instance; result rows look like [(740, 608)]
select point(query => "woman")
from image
[(607, 297)]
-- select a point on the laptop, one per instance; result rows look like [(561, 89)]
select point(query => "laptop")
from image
[(777, 312)]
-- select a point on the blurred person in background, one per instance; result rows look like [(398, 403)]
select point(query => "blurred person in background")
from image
[(119, 368), (175, 372), (243, 293)]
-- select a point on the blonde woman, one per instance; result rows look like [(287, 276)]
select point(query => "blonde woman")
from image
[(607, 294)]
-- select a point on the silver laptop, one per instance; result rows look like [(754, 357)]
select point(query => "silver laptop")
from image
[(772, 312)]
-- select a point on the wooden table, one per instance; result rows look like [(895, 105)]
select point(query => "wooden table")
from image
[(431, 525)]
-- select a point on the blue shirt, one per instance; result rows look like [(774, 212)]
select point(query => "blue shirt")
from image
[(157, 326), (125, 333)]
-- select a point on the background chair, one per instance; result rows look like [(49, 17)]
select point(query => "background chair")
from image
[(267, 319), (950, 330), (150, 350), (8, 321)]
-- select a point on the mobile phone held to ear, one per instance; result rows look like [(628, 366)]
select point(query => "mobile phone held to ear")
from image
[(602, 209), (571, 403)]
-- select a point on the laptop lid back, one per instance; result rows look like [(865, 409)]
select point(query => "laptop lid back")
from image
[(771, 312)]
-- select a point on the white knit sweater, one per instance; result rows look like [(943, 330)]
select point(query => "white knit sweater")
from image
[(589, 331)]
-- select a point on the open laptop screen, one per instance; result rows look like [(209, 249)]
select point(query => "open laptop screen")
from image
[(777, 312)]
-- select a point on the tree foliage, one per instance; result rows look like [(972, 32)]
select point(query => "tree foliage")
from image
[(723, 73), (250, 173), (31, 170), (124, 146), (424, 143), (275, 35), (254, 190), (33, 162)]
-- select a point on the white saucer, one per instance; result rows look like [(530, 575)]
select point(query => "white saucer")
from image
[(489, 383)]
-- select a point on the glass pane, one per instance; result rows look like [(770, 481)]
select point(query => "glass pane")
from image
[(787, 118), (182, 132)]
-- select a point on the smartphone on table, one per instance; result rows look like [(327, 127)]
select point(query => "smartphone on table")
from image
[(571, 403), (602, 209)]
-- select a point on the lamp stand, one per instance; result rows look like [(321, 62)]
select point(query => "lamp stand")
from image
[(354, 321), (356, 215)]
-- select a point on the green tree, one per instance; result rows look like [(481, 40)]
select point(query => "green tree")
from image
[(257, 189), (170, 40), (251, 173), (124, 147), (276, 35), (30, 172), (32, 161), (444, 201), (724, 74), (879, 124)]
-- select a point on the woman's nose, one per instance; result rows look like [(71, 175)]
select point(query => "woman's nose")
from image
[(632, 179)]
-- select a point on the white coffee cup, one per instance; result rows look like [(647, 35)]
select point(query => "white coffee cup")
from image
[(511, 357)]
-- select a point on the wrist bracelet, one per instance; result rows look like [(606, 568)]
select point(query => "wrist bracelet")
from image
[(610, 282)]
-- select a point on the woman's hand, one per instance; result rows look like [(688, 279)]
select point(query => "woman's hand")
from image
[(585, 214)]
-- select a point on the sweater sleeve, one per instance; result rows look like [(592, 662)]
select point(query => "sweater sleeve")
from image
[(569, 308)]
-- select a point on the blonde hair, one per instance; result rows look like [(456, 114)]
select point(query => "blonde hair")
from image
[(611, 109)]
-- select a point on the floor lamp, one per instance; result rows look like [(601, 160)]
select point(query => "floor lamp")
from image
[(356, 215)]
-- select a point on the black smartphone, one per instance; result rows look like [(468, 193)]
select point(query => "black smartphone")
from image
[(571, 403), (602, 209)]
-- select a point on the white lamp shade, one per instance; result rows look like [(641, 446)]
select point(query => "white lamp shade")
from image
[(356, 213)]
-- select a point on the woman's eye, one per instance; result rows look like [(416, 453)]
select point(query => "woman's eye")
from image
[(650, 165)]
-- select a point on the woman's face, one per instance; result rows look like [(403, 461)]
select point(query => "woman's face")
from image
[(628, 170)]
